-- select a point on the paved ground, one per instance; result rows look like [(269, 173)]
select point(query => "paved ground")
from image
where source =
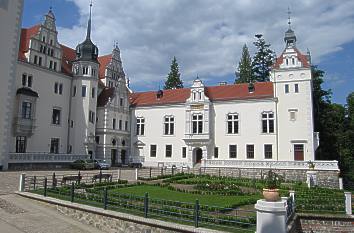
[(22, 215)]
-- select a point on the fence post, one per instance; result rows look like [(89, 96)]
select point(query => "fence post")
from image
[(292, 195), (21, 187), (45, 187), (146, 205), (150, 172), (161, 171), (173, 170), (34, 182), (196, 213), (105, 198), (54, 181), (100, 175), (72, 192), (136, 174), (79, 178), (348, 203), (340, 183), (219, 172)]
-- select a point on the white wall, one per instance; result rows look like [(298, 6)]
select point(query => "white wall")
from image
[(11, 13)]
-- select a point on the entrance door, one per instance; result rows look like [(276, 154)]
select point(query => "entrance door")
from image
[(113, 156), (198, 155), (122, 156), (299, 152)]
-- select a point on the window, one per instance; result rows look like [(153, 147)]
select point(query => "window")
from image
[(293, 61), (72, 124), (93, 72), (153, 149), (168, 151), (60, 89), (292, 114), (232, 151), (296, 88), (24, 78), (140, 126), (50, 64), (120, 125), (268, 151), (56, 116), (51, 42), (21, 144), (169, 125), (55, 65), (74, 91), (26, 110), (43, 38), (250, 151), (114, 124), (85, 70), (121, 101), (268, 122), (286, 88), (216, 152), (29, 80), (35, 59), (97, 139), (56, 88), (54, 145), (126, 126), (91, 117), (232, 123), (83, 91), (93, 93), (40, 61), (197, 124), (184, 152), (287, 61)]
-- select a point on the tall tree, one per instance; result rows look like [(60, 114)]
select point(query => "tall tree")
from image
[(262, 60), (244, 69), (173, 80)]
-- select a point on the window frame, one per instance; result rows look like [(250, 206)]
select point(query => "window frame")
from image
[(198, 123), (296, 88), (266, 152), (216, 152), (57, 120), (268, 122), (168, 151), (26, 110), (153, 155), (21, 144), (250, 151), (54, 145), (231, 152), (184, 152), (286, 89), (92, 117), (83, 91), (140, 126), (169, 125), (233, 123)]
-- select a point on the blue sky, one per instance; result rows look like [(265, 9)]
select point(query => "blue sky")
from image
[(206, 36)]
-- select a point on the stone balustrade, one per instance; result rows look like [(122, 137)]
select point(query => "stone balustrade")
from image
[(44, 157)]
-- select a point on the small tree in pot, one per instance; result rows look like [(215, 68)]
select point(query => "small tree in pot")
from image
[(271, 190)]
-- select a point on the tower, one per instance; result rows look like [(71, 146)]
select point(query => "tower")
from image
[(84, 96), (292, 80)]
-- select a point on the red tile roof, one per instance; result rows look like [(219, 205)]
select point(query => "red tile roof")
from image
[(26, 34), (68, 56), (104, 61), (103, 98), (301, 57), (215, 93)]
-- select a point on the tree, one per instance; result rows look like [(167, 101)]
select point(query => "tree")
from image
[(262, 60), (173, 79), (245, 67)]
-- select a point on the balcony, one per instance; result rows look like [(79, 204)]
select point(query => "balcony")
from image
[(24, 126), (197, 139)]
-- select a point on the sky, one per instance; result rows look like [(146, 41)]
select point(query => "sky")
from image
[(206, 36)]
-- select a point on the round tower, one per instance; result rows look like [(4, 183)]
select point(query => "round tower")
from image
[(84, 96)]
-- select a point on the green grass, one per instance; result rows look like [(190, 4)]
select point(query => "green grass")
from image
[(157, 192)]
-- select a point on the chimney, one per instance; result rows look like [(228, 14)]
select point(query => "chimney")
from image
[(251, 88), (159, 94)]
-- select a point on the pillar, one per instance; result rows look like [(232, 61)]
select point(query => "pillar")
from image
[(311, 178), (271, 216), (348, 203), (21, 187)]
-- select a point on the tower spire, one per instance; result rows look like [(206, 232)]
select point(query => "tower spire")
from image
[(289, 18), (88, 34)]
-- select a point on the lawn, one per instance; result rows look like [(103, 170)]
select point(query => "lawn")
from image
[(157, 192)]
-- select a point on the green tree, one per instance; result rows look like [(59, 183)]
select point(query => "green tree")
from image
[(173, 79), (262, 60), (244, 69)]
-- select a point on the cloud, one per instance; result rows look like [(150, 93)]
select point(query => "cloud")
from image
[(206, 36)]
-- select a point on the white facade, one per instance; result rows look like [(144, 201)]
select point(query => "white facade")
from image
[(74, 102), (11, 13)]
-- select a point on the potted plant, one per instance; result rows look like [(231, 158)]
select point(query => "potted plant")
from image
[(271, 190), (311, 165)]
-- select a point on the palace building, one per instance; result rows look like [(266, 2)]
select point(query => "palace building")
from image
[(73, 103)]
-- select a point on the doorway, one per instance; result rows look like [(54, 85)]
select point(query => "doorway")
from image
[(198, 155), (299, 152), (113, 156), (122, 156)]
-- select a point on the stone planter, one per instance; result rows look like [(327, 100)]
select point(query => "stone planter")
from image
[(271, 195)]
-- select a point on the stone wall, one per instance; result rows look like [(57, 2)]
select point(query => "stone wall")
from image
[(324, 178), (324, 224)]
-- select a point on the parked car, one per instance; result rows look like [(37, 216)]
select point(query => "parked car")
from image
[(83, 164), (101, 164)]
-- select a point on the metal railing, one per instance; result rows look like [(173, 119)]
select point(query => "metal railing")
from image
[(83, 188)]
